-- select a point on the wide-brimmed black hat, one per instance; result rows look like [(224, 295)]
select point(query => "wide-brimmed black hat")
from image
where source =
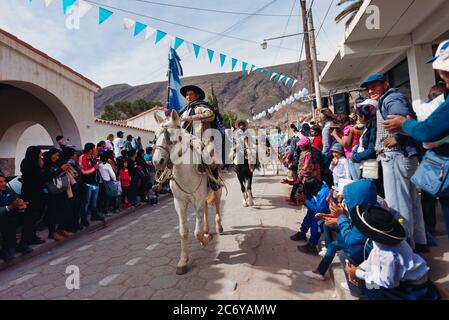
[(378, 224), (195, 89)]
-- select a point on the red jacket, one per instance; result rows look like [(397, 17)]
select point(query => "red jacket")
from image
[(318, 143), (125, 178)]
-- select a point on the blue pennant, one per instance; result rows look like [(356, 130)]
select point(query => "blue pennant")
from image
[(210, 53), (244, 65), (234, 62), (160, 35), (222, 59), (197, 49), (178, 43), (66, 4), (138, 28), (103, 15)]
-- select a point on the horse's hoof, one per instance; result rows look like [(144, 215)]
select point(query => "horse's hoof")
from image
[(220, 230), (181, 270)]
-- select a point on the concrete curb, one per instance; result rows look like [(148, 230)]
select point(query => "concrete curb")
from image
[(94, 226), (337, 276)]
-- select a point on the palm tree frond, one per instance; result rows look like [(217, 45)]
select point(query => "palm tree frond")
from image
[(351, 10)]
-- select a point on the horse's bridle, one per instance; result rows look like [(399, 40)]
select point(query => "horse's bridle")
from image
[(167, 141)]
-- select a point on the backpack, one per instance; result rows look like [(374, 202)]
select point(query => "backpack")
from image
[(59, 184)]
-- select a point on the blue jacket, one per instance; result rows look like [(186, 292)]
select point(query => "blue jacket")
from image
[(362, 192), (394, 102), (319, 204), (369, 143), (434, 128)]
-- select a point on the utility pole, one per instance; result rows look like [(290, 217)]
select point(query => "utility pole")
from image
[(305, 27), (316, 76)]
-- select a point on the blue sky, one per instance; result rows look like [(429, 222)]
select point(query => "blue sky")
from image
[(109, 54)]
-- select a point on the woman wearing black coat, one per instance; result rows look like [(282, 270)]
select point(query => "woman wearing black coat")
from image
[(32, 168), (58, 210)]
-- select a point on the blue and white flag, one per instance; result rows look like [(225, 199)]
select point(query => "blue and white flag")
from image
[(176, 101)]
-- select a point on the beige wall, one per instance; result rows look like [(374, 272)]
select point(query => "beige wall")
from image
[(102, 130), (146, 121)]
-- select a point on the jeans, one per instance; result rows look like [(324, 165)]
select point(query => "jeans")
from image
[(310, 222), (332, 248), (354, 169), (90, 201), (401, 194), (445, 207)]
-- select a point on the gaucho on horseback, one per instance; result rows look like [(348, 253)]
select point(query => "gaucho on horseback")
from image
[(197, 117)]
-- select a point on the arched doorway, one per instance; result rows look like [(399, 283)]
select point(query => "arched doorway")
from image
[(24, 105)]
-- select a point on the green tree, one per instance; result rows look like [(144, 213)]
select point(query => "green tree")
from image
[(350, 11), (229, 119), (212, 98), (123, 110)]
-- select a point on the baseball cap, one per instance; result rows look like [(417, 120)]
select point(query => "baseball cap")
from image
[(441, 59), (373, 78)]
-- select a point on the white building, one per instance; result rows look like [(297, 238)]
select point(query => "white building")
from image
[(41, 98), (410, 31)]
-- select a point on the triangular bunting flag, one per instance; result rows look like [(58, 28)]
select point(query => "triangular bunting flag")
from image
[(83, 8), (160, 35), (222, 59), (197, 49), (283, 78), (128, 23), (47, 2), (178, 43), (210, 53), (66, 4), (294, 82), (251, 69), (168, 40), (273, 75), (188, 46), (259, 70), (276, 77), (269, 74), (244, 65), (234, 63), (139, 27), (103, 15), (150, 31)]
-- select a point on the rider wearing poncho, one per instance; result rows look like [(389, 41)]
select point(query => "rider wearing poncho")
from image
[(198, 116)]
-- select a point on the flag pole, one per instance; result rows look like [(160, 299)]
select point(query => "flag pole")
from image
[(169, 77)]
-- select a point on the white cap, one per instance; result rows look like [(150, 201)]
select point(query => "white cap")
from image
[(441, 59), (370, 102)]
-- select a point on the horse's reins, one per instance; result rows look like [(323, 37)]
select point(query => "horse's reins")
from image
[(167, 174)]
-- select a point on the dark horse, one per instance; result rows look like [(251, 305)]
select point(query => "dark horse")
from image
[(245, 176)]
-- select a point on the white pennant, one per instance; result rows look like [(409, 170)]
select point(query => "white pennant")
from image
[(273, 75), (168, 40), (48, 2), (188, 46), (294, 82), (83, 8), (150, 31), (128, 23)]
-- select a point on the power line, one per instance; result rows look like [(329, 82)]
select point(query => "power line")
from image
[(177, 24), (285, 30), (241, 21), (213, 10), (324, 19)]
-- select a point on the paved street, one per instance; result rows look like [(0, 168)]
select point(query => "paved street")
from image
[(135, 257)]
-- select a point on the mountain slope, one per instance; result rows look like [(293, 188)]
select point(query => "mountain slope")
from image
[(239, 93)]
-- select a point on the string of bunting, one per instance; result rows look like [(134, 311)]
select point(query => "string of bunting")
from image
[(84, 6), (297, 96)]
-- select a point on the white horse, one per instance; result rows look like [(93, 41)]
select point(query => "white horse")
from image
[(189, 186), (271, 159)]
